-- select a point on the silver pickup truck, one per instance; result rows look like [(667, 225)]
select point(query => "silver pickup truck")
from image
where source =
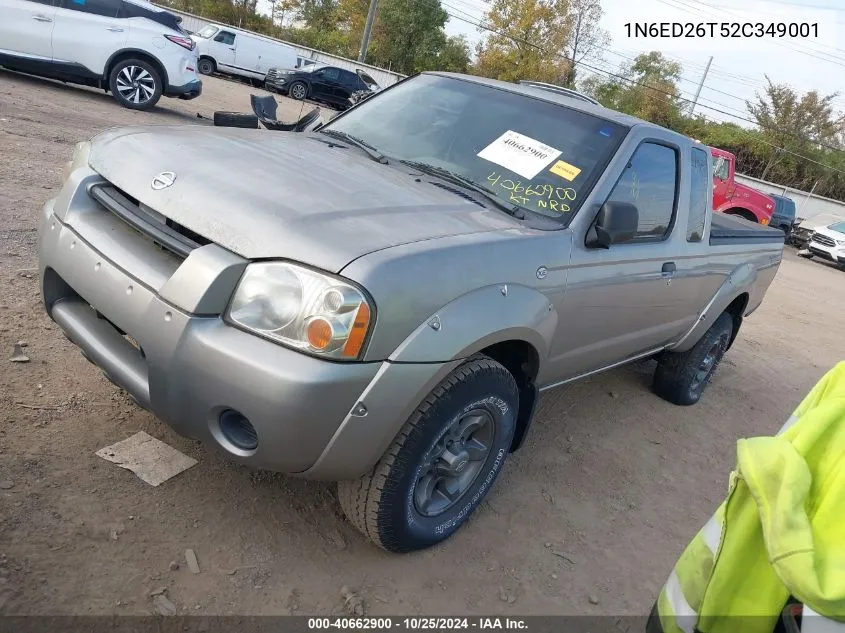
[(381, 301)]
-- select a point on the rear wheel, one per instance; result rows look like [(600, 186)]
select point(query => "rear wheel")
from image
[(298, 91), (135, 84), (681, 378), (206, 66), (441, 464)]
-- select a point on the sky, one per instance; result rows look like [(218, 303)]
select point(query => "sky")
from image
[(739, 65)]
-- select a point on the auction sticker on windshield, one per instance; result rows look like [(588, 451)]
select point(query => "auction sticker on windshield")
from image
[(565, 170), (520, 154)]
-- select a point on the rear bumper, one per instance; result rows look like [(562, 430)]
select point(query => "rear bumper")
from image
[(190, 90)]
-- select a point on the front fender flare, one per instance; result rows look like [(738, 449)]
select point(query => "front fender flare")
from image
[(478, 319)]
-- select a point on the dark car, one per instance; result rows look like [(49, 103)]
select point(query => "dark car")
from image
[(328, 84), (784, 216)]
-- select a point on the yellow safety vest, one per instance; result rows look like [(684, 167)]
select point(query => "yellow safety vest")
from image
[(779, 533)]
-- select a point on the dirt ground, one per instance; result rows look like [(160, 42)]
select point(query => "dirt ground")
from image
[(587, 518)]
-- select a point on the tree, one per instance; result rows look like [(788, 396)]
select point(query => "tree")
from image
[(408, 35), (791, 122), (646, 88), (527, 40), (454, 56), (586, 38)]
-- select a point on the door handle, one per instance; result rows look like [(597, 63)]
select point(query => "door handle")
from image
[(668, 269), (114, 29), (41, 18), (231, 49)]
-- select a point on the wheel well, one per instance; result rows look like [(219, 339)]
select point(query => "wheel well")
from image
[(523, 362), (134, 54), (737, 310), (744, 213)]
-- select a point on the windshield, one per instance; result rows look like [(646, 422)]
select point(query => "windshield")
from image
[(537, 155), (839, 227), (207, 31), (371, 83)]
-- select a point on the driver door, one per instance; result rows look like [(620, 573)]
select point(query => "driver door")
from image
[(223, 49)]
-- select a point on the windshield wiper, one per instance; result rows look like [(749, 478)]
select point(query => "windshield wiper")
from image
[(371, 151), (466, 183)]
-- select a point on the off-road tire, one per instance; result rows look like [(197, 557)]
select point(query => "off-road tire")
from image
[(151, 77), (381, 503), (236, 119), (675, 377), (295, 93), (206, 66)]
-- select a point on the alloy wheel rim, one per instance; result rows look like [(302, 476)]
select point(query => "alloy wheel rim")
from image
[(135, 84), (453, 464), (298, 92), (708, 365)]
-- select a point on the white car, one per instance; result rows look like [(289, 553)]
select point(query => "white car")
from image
[(132, 48), (827, 242), (231, 51)]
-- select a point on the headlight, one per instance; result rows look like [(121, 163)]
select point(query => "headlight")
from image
[(302, 308), (79, 159)]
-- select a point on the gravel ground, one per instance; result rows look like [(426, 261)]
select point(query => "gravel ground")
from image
[(587, 519)]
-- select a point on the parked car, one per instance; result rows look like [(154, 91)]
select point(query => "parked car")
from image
[(328, 84), (827, 242), (223, 49), (783, 217), (734, 198), (132, 48), (396, 288)]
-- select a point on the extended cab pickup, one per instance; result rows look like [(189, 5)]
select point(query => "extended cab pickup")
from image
[(734, 198), (380, 302)]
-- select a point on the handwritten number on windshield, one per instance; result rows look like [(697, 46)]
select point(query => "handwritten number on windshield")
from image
[(544, 196)]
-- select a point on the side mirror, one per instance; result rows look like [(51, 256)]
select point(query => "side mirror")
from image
[(616, 223)]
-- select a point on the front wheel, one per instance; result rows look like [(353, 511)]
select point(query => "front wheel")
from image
[(206, 66), (442, 463), (135, 84), (681, 378), (298, 91)]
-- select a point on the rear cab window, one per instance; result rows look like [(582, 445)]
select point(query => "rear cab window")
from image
[(698, 202), (537, 155), (369, 82)]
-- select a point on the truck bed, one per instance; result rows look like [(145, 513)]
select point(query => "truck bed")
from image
[(729, 229)]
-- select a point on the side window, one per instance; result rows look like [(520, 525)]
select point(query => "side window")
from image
[(348, 79), (650, 183), (720, 169), (105, 8), (331, 74), (225, 37), (699, 179)]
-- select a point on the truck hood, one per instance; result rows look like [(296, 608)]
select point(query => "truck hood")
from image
[(265, 194)]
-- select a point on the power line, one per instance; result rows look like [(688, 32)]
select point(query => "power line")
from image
[(633, 81)]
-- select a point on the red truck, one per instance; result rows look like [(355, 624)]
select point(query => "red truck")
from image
[(734, 198)]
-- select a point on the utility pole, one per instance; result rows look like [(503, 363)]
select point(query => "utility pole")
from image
[(700, 86), (365, 41)]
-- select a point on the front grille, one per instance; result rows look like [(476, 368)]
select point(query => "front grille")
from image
[(824, 240), (164, 232), (273, 74)]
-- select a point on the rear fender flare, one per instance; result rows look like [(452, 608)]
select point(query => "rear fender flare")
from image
[(478, 319), (740, 281)]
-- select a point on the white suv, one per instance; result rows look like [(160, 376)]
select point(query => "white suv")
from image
[(129, 47)]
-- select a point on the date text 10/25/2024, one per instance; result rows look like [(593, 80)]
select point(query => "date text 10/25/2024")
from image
[(418, 624)]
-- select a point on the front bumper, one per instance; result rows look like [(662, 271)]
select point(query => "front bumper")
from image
[(151, 322), (190, 90), (831, 253)]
